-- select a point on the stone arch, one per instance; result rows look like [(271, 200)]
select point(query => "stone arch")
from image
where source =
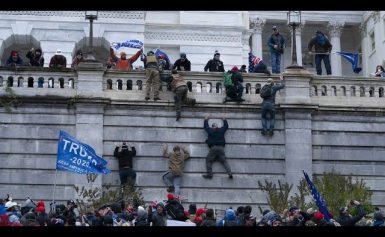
[(129, 85), (248, 88), (257, 88), (119, 84), (30, 81), (109, 84), (101, 48), (381, 92), (218, 88), (20, 43), (20, 82), (343, 90), (61, 82)]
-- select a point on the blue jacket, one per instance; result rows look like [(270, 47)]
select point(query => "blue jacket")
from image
[(216, 136)]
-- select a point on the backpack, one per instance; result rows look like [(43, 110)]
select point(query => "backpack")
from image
[(227, 81), (266, 91)]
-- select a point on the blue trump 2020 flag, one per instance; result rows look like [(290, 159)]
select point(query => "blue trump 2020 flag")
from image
[(318, 198), (353, 59), (159, 52), (75, 156)]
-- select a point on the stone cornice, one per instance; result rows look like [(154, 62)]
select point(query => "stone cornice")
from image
[(80, 14), (363, 29), (376, 16), (197, 37)]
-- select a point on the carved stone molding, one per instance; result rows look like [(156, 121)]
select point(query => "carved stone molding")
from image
[(376, 16), (257, 24), (335, 28), (101, 14), (193, 37), (363, 29)]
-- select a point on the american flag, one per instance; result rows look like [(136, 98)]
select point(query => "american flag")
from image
[(253, 60)]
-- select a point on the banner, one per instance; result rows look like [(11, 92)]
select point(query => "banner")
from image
[(253, 60), (353, 59), (318, 198), (129, 44), (75, 156), (179, 223)]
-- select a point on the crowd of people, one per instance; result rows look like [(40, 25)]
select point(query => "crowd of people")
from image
[(171, 211)]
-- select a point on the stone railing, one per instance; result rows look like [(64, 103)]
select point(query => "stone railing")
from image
[(30, 77), (347, 87), (80, 14)]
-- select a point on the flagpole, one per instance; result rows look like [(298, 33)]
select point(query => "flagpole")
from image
[(54, 190)]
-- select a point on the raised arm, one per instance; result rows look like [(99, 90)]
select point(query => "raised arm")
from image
[(165, 153)]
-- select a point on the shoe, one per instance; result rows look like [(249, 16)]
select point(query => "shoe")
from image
[(157, 98), (207, 176), (171, 189), (263, 132), (270, 133), (177, 118), (230, 176), (194, 101), (147, 98)]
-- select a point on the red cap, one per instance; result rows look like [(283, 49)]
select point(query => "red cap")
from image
[(170, 196), (318, 215), (14, 53), (235, 69)]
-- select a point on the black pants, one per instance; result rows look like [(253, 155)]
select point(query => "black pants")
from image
[(216, 153)]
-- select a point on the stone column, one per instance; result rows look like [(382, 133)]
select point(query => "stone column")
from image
[(257, 25), (335, 30), (297, 109), (364, 49), (89, 115), (246, 46)]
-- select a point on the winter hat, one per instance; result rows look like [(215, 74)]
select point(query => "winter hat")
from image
[(274, 27), (141, 211), (154, 203), (183, 55), (216, 53), (318, 215), (270, 81), (122, 53), (310, 211), (160, 204), (38, 50), (192, 208), (40, 204), (235, 69), (10, 204), (58, 52), (14, 53), (170, 196), (200, 211), (265, 212), (40, 209), (378, 215)]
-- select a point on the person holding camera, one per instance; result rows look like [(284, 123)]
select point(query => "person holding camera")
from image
[(124, 154), (346, 219)]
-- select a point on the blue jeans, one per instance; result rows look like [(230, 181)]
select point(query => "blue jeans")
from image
[(268, 116), (325, 58), (170, 179), (125, 174), (276, 62)]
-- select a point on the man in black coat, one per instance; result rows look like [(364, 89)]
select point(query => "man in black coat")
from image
[(215, 65), (216, 142), (182, 64), (346, 219), (124, 156)]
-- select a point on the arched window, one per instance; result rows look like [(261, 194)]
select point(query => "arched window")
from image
[(209, 87), (199, 87), (257, 88), (189, 85), (61, 82), (381, 92), (129, 85), (324, 91), (71, 83), (51, 82), (343, 91), (120, 84), (218, 88), (334, 90), (30, 81), (40, 82), (10, 82), (248, 88), (352, 91), (371, 92), (109, 84), (20, 82), (362, 91), (139, 83)]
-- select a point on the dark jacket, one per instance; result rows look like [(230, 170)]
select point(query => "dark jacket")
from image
[(276, 40), (274, 90), (125, 156), (261, 68), (209, 222), (35, 61), (326, 48), (216, 136), (18, 62), (58, 61), (214, 66), (175, 210), (347, 220), (236, 77), (182, 66), (159, 219)]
